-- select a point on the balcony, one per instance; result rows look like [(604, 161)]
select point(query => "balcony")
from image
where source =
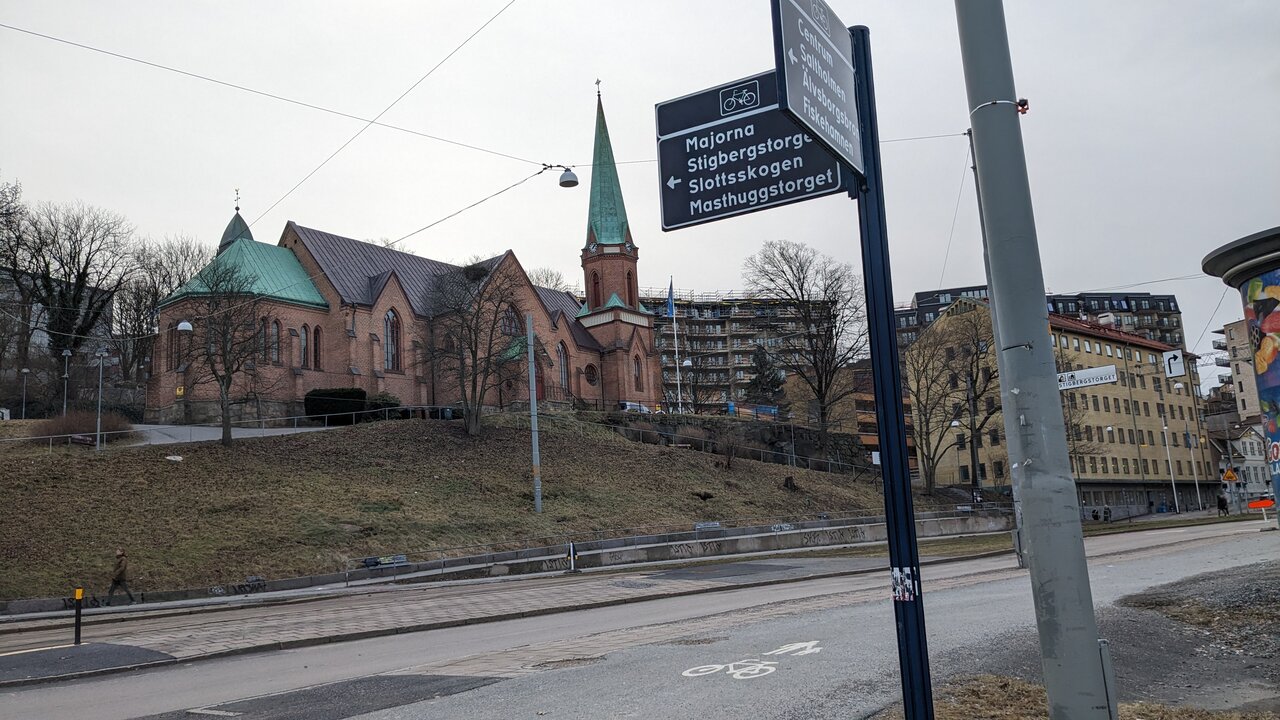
[(1219, 344), (1224, 379), (1222, 362)]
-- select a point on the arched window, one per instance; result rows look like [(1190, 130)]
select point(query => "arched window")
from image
[(635, 364), (303, 336), (275, 341), (595, 290), (631, 293), (391, 341), (315, 348), (263, 344), (591, 375), (562, 359), (511, 323), (171, 360)]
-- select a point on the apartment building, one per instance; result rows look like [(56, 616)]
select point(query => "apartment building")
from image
[(717, 334), (1153, 317), (1131, 441), (1239, 361)]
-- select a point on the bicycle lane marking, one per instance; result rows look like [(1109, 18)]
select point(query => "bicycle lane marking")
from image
[(754, 667)]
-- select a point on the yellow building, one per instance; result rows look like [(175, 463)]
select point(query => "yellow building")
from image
[(1131, 440)]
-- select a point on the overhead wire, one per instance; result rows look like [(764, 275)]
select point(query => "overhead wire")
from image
[(263, 93), (955, 214), (385, 110)]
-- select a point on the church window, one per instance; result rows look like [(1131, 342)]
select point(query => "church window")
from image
[(172, 359), (635, 364), (511, 323), (631, 291), (591, 374), (391, 341), (595, 290), (562, 359), (275, 341), (303, 336), (262, 342), (315, 348)]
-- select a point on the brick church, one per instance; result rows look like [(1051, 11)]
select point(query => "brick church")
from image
[(338, 312)]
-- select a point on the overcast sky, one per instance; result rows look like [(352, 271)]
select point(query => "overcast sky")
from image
[(1152, 136)]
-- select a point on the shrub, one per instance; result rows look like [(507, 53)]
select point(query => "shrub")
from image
[(378, 403), (339, 403), (83, 422)]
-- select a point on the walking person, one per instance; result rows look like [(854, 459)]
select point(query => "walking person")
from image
[(1222, 505), (120, 577)]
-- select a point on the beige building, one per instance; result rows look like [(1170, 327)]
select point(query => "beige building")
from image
[(1131, 440), (1239, 360)]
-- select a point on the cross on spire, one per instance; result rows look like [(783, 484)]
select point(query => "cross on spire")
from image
[(237, 199), (597, 87)]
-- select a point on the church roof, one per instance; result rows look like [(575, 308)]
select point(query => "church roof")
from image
[(607, 216), (273, 273), (237, 229), (615, 302)]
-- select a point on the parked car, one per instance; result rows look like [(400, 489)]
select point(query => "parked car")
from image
[(634, 407)]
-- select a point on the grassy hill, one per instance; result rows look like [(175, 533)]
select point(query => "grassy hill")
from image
[(309, 503)]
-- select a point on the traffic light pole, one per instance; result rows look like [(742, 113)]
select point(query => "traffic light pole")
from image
[(1073, 660), (904, 560)]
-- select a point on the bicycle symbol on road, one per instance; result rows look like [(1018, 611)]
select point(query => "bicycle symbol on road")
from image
[(741, 670), (754, 667), (739, 98)]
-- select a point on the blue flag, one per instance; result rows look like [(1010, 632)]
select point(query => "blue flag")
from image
[(671, 299)]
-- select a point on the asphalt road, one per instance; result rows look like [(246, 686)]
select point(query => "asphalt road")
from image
[(634, 660)]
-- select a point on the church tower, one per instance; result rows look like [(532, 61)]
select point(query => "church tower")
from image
[(613, 313)]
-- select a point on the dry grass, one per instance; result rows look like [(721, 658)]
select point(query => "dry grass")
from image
[(309, 503), (990, 697), (115, 428)]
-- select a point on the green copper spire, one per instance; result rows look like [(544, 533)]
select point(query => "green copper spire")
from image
[(607, 218), (236, 230)]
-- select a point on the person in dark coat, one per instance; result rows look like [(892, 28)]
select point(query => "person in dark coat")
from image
[(1222, 505), (120, 577)]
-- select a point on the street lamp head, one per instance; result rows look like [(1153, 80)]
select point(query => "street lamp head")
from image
[(955, 423), (102, 352), (1110, 428), (26, 370), (568, 179), (66, 352), (687, 363), (185, 327), (1178, 386)]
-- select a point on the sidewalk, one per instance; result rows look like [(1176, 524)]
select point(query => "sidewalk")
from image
[(40, 650)]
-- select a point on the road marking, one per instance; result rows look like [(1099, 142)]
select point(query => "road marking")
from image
[(800, 648), (216, 713), (51, 647)]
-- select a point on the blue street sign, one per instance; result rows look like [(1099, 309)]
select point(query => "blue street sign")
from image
[(730, 150), (814, 56)]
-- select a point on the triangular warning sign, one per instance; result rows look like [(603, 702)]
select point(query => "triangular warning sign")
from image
[(1229, 476)]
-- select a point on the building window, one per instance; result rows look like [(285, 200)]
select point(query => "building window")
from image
[(315, 348), (562, 359), (511, 323), (263, 342), (1115, 466), (275, 341), (595, 290), (591, 375), (998, 467), (635, 368), (631, 293), (303, 336), (1075, 344), (1131, 441), (1125, 464), (391, 341), (995, 438), (959, 441)]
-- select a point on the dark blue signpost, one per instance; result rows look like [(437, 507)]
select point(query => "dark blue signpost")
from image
[(729, 150), (705, 148)]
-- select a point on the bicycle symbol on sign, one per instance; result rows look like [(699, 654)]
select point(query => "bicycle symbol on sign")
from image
[(741, 670), (739, 98)]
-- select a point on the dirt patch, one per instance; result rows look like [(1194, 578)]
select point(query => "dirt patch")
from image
[(698, 641), (991, 697), (566, 663)]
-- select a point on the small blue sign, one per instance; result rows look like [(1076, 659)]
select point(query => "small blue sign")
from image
[(730, 150)]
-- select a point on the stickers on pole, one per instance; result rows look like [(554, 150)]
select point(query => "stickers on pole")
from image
[(906, 586)]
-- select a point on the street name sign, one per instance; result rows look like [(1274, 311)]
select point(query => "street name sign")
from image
[(814, 56), (730, 150), (1087, 377)]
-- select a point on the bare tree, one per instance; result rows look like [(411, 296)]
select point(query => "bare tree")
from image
[(699, 382), (951, 376), (478, 332), (1082, 439), (68, 259), (549, 278), (225, 344), (826, 297), (163, 267)]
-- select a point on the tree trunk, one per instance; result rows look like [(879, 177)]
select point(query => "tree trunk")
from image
[(224, 400)]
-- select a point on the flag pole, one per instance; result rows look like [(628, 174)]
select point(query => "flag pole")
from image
[(675, 339)]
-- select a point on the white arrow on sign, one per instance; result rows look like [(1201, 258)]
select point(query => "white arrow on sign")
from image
[(673, 181), (791, 54)]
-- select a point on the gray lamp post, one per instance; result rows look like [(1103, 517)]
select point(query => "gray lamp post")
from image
[(66, 358), (1169, 461), (101, 355), (1195, 474), (25, 373)]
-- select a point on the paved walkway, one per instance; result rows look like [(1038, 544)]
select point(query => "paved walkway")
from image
[(169, 434)]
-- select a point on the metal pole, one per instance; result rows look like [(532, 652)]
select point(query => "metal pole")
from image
[(1195, 474), (533, 415), (79, 606), (1168, 458), (65, 375), (98, 436), (25, 373), (904, 559), (1073, 673), (973, 438)]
